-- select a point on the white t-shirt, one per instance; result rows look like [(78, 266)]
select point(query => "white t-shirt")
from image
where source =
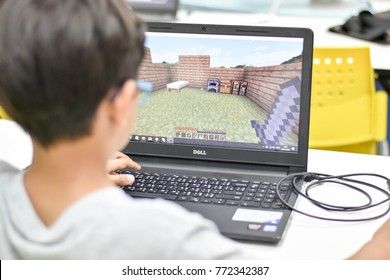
[(106, 224)]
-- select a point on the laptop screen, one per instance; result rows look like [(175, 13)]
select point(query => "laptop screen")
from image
[(227, 91)]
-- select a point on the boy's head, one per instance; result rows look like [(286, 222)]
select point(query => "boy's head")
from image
[(60, 59)]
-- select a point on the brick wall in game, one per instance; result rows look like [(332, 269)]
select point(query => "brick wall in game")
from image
[(263, 82), (157, 73), (194, 69)]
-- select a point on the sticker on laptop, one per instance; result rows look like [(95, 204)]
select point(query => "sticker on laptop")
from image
[(270, 228), (257, 216)]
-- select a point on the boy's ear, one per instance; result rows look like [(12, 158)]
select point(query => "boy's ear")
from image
[(124, 102)]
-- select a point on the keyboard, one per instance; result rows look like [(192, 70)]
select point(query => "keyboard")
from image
[(243, 193)]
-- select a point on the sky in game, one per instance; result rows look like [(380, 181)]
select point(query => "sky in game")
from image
[(224, 51)]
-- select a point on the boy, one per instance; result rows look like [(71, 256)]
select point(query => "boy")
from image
[(68, 71)]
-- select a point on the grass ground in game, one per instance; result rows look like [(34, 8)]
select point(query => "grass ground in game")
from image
[(192, 107)]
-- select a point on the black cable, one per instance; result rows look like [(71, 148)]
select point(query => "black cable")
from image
[(318, 179)]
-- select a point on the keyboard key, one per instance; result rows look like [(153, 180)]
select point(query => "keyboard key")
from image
[(194, 199), (266, 205), (232, 202), (240, 185), (277, 201), (250, 204), (283, 194), (219, 201), (231, 197), (206, 200), (129, 188), (233, 193)]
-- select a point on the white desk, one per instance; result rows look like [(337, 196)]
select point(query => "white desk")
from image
[(305, 238)]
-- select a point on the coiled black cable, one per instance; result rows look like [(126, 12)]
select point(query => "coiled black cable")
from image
[(317, 179)]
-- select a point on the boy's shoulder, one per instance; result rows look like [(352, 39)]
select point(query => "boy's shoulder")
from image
[(8, 172), (6, 167)]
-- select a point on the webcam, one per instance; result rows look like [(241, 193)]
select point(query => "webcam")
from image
[(203, 28)]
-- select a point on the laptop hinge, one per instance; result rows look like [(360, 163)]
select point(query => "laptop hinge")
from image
[(297, 169)]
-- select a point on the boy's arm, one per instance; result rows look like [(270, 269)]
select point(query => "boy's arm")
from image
[(121, 161), (378, 247)]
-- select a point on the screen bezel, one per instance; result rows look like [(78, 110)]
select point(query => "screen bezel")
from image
[(264, 157)]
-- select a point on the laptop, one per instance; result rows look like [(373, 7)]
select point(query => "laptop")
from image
[(227, 119)]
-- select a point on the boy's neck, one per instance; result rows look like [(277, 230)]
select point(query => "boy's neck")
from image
[(64, 173)]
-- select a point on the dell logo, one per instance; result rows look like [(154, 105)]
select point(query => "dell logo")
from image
[(200, 152)]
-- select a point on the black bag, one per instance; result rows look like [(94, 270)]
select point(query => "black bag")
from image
[(367, 26)]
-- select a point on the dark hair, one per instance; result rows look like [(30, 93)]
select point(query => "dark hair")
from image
[(60, 58)]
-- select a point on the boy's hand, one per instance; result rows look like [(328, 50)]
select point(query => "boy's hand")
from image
[(378, 247), (121, 161)]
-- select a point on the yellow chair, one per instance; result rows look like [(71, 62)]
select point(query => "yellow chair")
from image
[(347, 114), (3, 114)]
